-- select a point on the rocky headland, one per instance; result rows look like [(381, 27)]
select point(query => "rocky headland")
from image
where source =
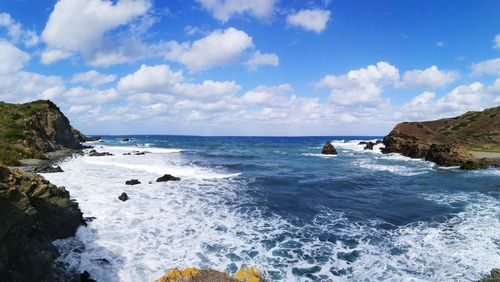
[(470, 141), (34, 212)]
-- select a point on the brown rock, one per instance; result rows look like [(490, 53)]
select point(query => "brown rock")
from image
[(328, 149)]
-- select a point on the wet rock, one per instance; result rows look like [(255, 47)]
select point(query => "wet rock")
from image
[(132, 182), (168, 177), (328, 149), (94, 153), (369, 144), (493, 277), (479, 164), (85, 277), (448, 155), (135, 153), (92, 138), (125, 140), (48, 169), (88, 219), (101, 261), (123, 197)]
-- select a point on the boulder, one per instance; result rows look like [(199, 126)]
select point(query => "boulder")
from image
[(123, 197), (168, 177), (328, 149), (94, 153), (369, 144), (132, 182), (125, 140), (48, 169)]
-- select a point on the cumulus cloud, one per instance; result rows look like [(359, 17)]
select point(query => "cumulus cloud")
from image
[(268, 96), (11, 58), (223, 10), (431, 77), (489, 67), (24, 86), (217, 48), (360, 87), (16, 32), (81, 26), (312, 20), (261, 59), (93, 78), (80, 95), (160, 79)]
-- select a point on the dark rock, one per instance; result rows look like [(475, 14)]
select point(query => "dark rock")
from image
[(328, 149), (33, 213), (479, 164), (493, 277), (135, 153), (48, 169), (92, 138), (85, 277), (94, 153), (88, 219), (123, 197), (125, 140), (132, 182), (168, 177), (102, 261), (369, 144)]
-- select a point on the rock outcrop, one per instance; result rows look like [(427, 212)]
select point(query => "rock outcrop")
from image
[(245, 274), (449, 141), (132, 182), (123, 197), (33, 213), (493, 277), (369, 144), (32, 129), (329, 149), (168, 177)]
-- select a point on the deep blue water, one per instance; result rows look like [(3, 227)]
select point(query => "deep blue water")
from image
[(379, 217)]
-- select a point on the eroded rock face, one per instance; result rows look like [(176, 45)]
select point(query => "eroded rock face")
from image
[(328, 149), (33, 213), (448, 155)]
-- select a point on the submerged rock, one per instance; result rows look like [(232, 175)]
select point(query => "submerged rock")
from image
[(48, 169), (168, 177), (329, 149), (123, 197), (132, 182), (369, 144), (125, 140), (85, 277)]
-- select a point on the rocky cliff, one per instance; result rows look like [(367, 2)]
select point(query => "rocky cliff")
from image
[(29, 130), (33, 213), (449, 141)]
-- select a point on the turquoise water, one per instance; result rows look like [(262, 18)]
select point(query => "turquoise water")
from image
[(280, 205)]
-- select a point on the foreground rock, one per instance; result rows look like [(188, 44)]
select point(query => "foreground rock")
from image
[(33, 213), (328, 149), (168, 177), (132, 182), (449, 141), (245, 274), (493, 277)]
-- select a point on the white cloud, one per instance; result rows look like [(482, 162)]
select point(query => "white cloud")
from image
[(260, 59), (26, 86), (11, 58), (225, 9), (81, 25), (53, 55), (431, 77), (93, 78), (160, 79), (268, 96), (360, 87), (16, 32), (217, 48), (313, 20), (490, 67), (80, 95), (440, 44), (496, 42)]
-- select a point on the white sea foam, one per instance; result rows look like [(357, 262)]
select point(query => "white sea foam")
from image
[(203, 221), (319, 155)]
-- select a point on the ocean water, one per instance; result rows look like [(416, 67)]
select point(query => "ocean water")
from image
[(278, 204)]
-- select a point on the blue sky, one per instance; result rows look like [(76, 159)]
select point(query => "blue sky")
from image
[(251, 67)]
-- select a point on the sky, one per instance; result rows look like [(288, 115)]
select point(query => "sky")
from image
[(251, 67)]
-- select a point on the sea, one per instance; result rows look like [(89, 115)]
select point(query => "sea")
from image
[(278, 204)]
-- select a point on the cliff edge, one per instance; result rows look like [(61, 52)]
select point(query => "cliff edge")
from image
[(470, 141), (32, 129)]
